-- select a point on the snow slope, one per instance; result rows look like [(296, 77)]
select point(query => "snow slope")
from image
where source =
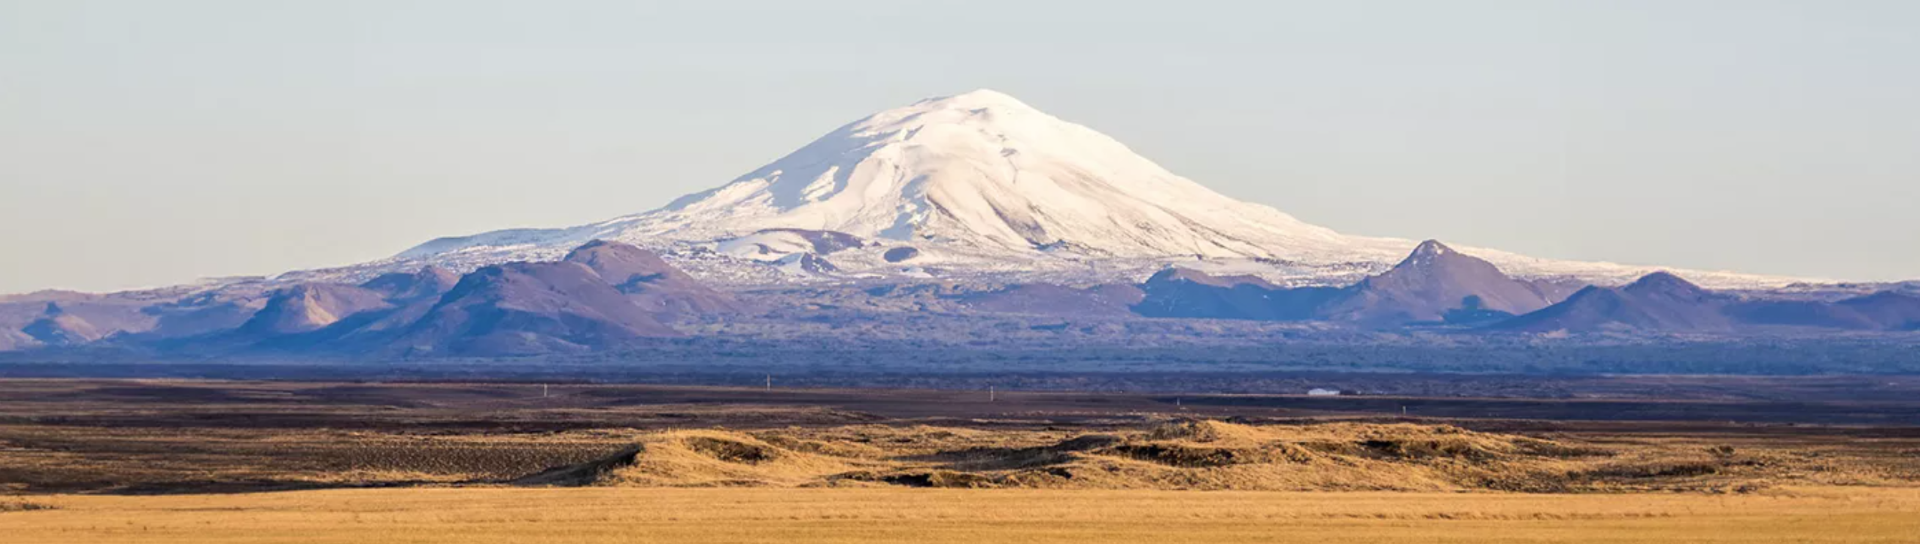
[(983, 184)]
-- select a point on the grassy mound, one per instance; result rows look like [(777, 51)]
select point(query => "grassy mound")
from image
[(1183, 454), (700, 459)]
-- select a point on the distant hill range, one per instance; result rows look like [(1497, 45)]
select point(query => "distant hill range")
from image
[(1435, 284), (606, 295), (1438, 286)]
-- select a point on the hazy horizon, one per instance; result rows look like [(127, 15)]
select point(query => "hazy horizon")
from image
[(149, 144)]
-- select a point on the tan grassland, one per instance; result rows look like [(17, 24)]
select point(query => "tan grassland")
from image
[(713, 515)]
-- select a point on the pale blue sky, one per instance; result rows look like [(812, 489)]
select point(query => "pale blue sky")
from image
[(147, 143)]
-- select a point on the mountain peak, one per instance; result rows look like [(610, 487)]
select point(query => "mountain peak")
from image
[(975, 99), (1432, 281), (984, 183), (1429, 253), (1431, 248), (1664, 282), (984, 173)]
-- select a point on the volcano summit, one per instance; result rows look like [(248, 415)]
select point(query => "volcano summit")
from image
[(981, 184)]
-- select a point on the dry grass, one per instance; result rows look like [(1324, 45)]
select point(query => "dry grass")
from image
[(43, 458), (589, 515), (1192, 454), (1209, 455)]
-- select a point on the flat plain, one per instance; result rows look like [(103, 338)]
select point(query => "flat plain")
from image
[(221, 461), (967, 516)]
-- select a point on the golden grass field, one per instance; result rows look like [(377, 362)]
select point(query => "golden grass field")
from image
[(713, 515)]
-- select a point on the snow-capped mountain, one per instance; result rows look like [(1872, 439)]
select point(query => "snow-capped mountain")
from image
[(981, 184)]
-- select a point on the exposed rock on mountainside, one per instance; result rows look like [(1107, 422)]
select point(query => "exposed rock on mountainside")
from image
[(900, 254), (774, 244), (808, 263)]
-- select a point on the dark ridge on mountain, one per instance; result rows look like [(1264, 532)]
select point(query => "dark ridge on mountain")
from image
[(815, 264), (428, 282), (311, 307), (654, 285), (1181, 293), (1112, 300), (1657, 302), (528, 309), (56, 327), (1431, 282), (900, 254), (825, 242)]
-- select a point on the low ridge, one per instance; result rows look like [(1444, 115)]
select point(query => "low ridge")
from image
[(649, 281), (530, 308), (1433, 284)]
